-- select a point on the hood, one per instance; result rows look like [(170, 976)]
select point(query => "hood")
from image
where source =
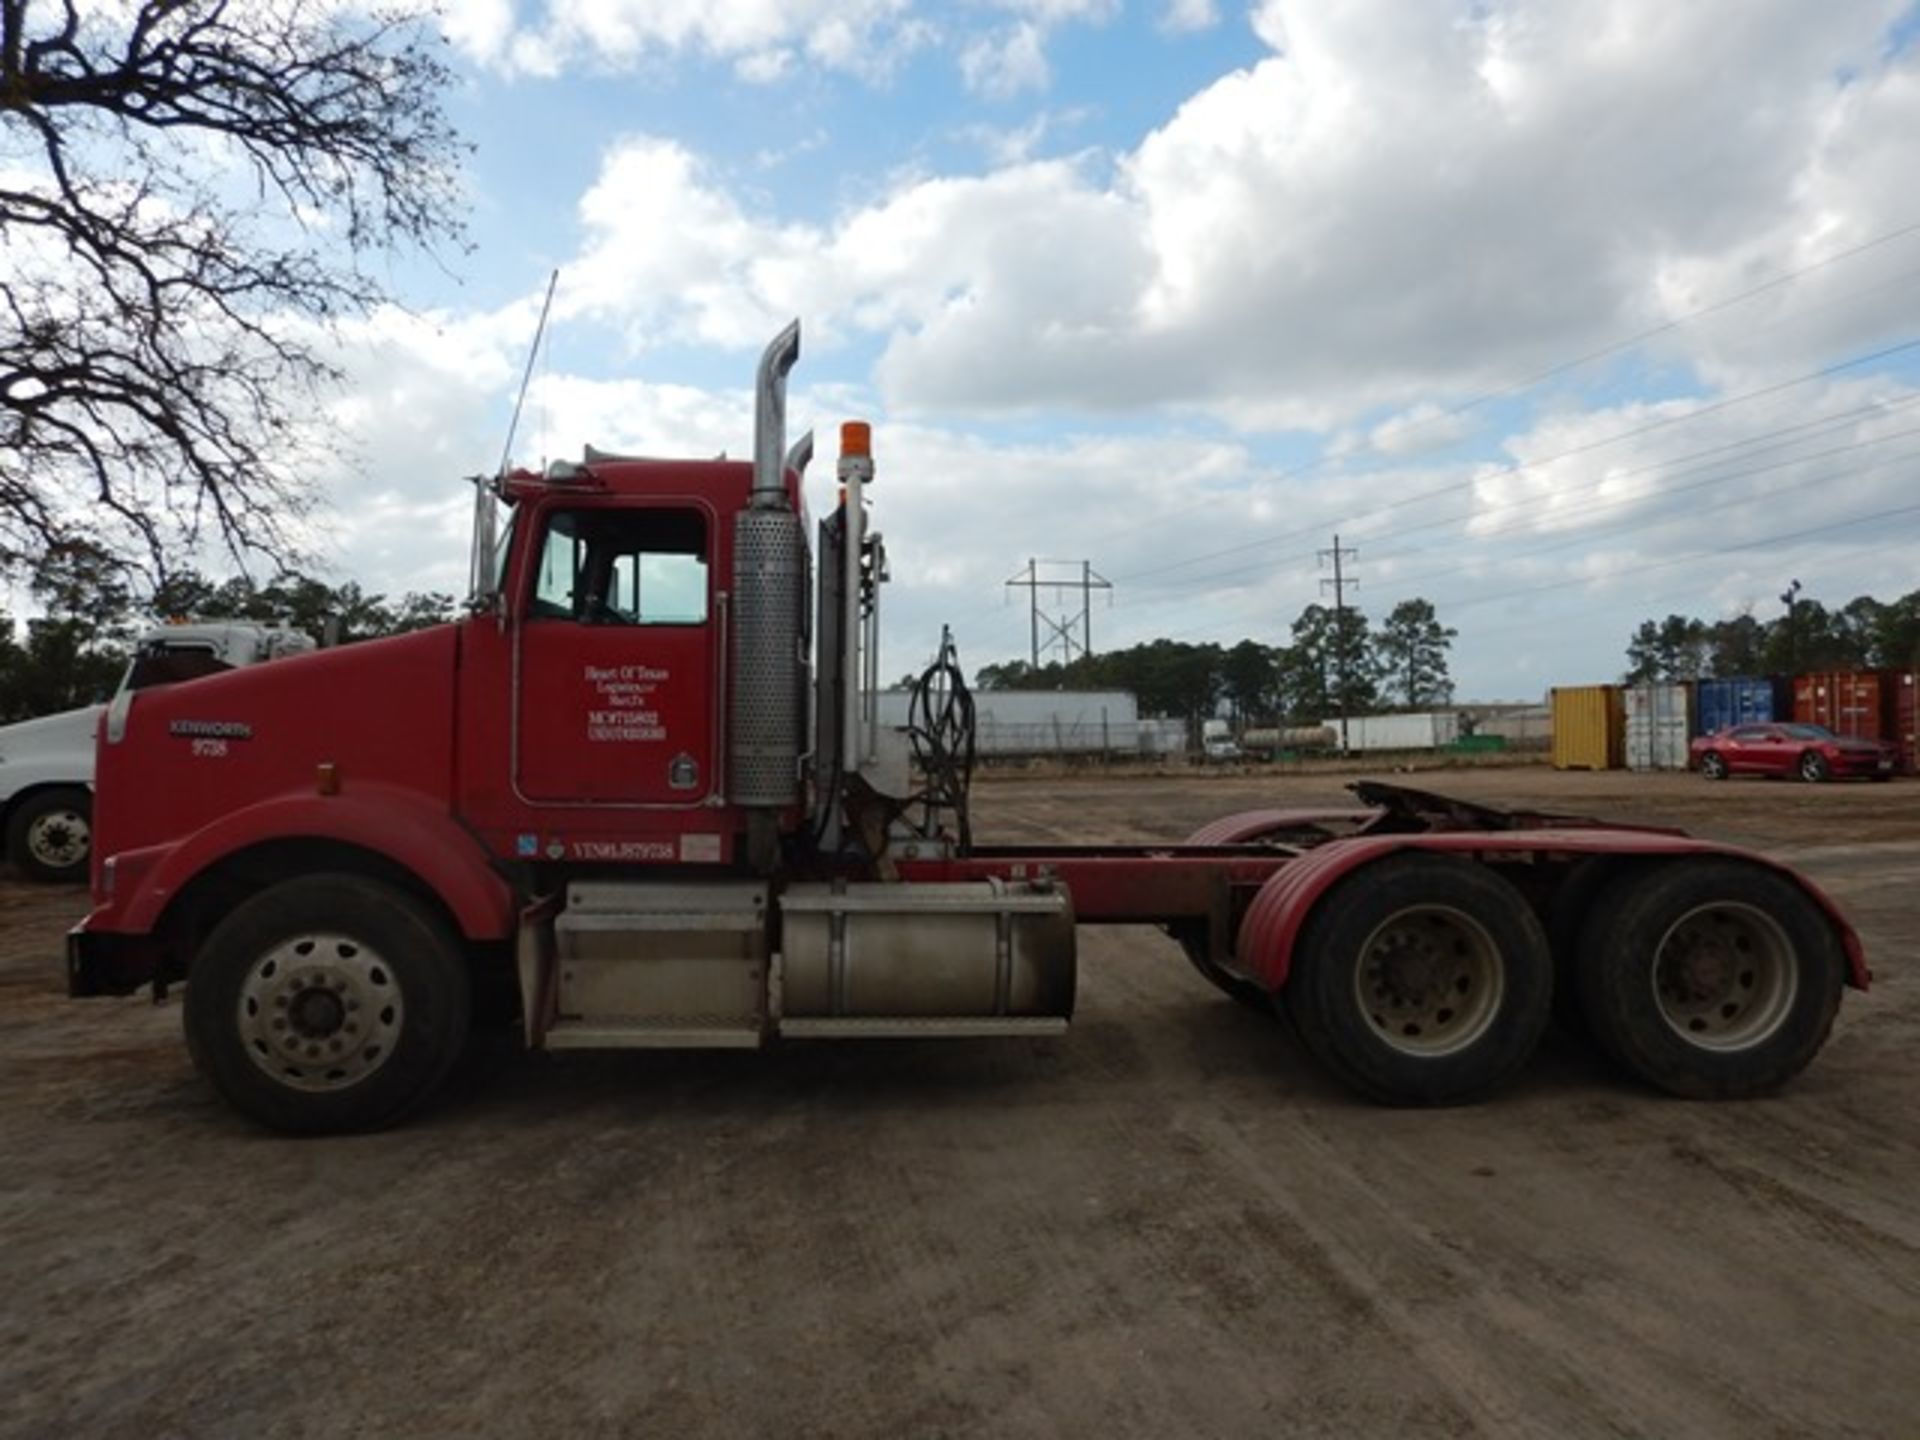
[(381, 712), (63, 731)]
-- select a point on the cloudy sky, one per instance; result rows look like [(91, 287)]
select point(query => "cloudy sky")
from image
[(1562, 314)]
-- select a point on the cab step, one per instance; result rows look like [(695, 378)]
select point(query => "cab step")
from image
[(635, 1034)]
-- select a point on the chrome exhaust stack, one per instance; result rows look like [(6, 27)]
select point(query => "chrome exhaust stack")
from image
[(767, 709), (770, 419)]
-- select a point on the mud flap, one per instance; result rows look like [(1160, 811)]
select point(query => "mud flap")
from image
[(534, 963)]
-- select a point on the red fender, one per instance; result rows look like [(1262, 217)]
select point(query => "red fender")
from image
[(1273, 922), (1251, 825), (399, 824)]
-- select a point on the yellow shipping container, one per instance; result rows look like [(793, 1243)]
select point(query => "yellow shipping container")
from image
[(1589, 728)]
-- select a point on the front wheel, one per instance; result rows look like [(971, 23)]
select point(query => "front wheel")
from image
[(1711, 979), (328, 1003), (50, 835), (1713, 765), (1422, 980), (1813, 767)]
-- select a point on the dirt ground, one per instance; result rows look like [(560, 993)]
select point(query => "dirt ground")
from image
[(1166, 1223)]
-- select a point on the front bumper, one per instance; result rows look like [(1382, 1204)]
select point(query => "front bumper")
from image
[(1855, 765)]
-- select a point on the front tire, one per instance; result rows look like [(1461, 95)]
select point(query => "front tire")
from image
[(1711, 979), (326, 1004), (1813, 767), (50, 835), (1713, 765), (1422, 980)]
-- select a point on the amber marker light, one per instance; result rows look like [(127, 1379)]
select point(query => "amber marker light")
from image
[(856, 440)]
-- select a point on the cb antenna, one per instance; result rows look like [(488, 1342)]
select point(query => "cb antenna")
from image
[(526, 379)]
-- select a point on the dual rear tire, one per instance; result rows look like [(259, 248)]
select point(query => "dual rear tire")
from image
[(1429, 980), (1421, 980), (1709, 979)]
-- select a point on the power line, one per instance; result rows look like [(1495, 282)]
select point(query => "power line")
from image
[(1613, 348), (1402, 502), (1455, 605), (1896, 512), (1661, 515), (1655, 467), (1522, 467), (1852, 553)]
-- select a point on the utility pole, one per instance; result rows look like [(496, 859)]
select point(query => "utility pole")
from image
[(1338, 555), (1787, 597), (1059, 578)]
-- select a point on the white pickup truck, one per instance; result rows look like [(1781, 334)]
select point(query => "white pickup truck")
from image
[(46, 765)]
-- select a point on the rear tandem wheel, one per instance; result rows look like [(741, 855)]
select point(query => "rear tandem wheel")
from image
[(1711, 979), (1421, 980)]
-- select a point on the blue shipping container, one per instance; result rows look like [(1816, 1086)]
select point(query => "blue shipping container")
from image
[(1744, 700)]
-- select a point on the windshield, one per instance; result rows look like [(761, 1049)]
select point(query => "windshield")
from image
[(164, 664)]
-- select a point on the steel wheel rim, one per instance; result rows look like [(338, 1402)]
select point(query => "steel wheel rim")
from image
[(1809, 767), (1430, 981), (320, 1012), (1724, 977), (59, 838)]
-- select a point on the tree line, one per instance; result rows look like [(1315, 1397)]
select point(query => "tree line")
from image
[(1865, 633), (74, 651), (1335, 657)]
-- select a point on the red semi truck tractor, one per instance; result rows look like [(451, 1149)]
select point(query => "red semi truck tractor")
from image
[(639, 795)]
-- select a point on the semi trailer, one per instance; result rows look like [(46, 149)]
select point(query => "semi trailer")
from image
[(639, 796)]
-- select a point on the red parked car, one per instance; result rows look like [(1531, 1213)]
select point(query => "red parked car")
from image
[(1811, 752)]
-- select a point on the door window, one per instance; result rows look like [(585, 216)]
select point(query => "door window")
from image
[(623, 567)]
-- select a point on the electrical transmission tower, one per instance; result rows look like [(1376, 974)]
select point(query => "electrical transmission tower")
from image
[(1339, 584), (1060, 579)]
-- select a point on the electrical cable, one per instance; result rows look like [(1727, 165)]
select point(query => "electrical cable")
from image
[(940, 728)]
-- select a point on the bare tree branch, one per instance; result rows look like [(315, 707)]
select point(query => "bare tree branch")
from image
[(190, 191)]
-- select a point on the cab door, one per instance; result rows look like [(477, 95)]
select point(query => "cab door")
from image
[(1767, 751), (615, 671)]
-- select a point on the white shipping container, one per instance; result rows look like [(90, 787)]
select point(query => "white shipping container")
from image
[(1162, 737), (1042, 722), (1523, 727), (1425, 731), (1659, 725)]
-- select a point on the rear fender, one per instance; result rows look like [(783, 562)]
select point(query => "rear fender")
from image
[(397, 824), (1250, 826), (1272, 924)]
